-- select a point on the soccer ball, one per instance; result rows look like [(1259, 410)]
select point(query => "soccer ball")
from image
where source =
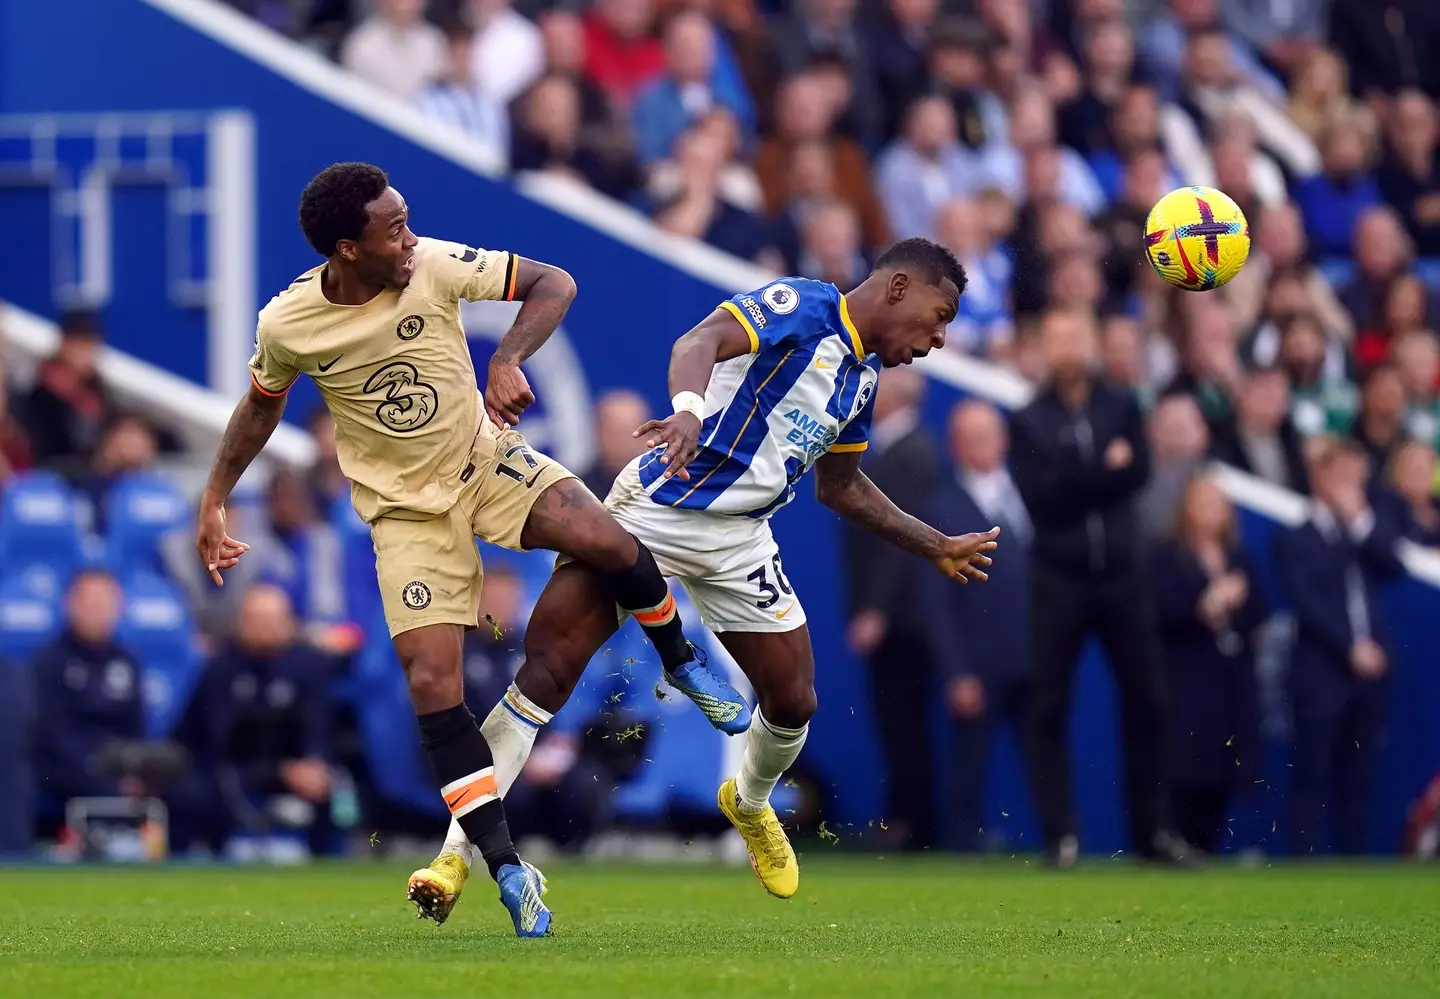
[(1197, 238)]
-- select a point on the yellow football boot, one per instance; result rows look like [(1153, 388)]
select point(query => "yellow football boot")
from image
[(771, 856), (436, 889)]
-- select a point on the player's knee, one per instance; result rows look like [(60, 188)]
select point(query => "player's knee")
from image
[(790, 705), (607, 546), (549, 672), (434, 682)]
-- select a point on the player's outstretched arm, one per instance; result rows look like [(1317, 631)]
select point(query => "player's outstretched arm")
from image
[(250, 426), (844, 488), (546, 293), (719, 337)]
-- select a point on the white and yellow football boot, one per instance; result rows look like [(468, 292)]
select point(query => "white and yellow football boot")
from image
[(771, 856)]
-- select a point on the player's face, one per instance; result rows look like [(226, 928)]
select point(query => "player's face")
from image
[(385, 253), (916, 320)]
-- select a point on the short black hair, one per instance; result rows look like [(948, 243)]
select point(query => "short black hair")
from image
[(928, 258), (83, 323), (332, 206)]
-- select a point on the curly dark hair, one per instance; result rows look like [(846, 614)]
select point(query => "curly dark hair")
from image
[(332, 206), (929, 259)]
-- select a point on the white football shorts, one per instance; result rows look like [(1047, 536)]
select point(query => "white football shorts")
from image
[(729, 565)]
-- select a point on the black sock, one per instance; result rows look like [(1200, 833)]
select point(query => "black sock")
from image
[(642, 592), (460, 756)]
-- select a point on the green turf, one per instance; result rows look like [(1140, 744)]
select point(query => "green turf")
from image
[(864, 928)]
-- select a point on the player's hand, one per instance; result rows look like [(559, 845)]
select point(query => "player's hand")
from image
[(217, 549), (507, 394), (679, 435), (963, 557)]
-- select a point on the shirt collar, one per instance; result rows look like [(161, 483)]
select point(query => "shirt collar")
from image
[(855, 343)]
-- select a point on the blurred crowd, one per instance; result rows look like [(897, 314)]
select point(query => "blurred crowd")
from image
[(1031, 137)]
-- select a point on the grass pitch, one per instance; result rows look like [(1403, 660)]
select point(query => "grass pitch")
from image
[(860, 927)]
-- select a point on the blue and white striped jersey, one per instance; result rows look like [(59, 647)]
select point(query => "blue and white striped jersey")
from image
[(805, 388)]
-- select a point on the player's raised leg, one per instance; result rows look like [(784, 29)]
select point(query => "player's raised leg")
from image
[(781, 667), (568, 519)]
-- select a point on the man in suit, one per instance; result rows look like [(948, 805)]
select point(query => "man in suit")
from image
[(1262, 439), (1080, 459), (980, 640), (886, 624), (1332, 568)]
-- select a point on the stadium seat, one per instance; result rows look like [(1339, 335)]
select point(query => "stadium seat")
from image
[(1339, 271), (1428, 268), (39, 523), (30, 613), (140, 510), (362, 590), (156, 628)]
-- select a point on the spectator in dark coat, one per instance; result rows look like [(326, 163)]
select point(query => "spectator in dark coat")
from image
[(829, 30), (1380, 425), (617, 415), (547, 137), (88, 695), (898, 41), (1332, 568), (1381, 57), (1410, 175), (1262, 439), (69, 407), (1080, 459), (1410, 498), (1209, 608), (887, 626), (259, 728), (980, 641)]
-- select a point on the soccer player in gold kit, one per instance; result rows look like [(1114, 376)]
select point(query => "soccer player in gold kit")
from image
[(433, 464)]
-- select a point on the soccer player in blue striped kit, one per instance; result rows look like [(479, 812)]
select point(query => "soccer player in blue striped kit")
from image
[(769, 385)]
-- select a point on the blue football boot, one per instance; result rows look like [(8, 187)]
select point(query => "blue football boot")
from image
[(715, 696)]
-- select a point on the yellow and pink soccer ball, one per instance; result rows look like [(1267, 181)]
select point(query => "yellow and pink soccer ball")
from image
[(1197, 238)]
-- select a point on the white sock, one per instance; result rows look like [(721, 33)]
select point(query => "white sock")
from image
[(769, 752), (510, 729)]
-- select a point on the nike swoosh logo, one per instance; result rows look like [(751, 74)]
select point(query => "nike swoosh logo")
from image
[(531, 481), (460, 797), (780, 615), (327, 367), (820, 363)]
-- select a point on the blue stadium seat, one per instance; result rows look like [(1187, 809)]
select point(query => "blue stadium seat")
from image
[(1428, 268), (39, 523), (362, 589), (140, 510), (1339, 271), (388, 731), (30, 614), (156, 628)]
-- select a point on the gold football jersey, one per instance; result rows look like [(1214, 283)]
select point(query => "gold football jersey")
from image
[(395, 373)]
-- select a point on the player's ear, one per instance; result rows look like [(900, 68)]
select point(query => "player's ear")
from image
[(899, 284), (347, 250)]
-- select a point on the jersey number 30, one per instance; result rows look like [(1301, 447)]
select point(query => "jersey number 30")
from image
[(770, 593), (409, 403)]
